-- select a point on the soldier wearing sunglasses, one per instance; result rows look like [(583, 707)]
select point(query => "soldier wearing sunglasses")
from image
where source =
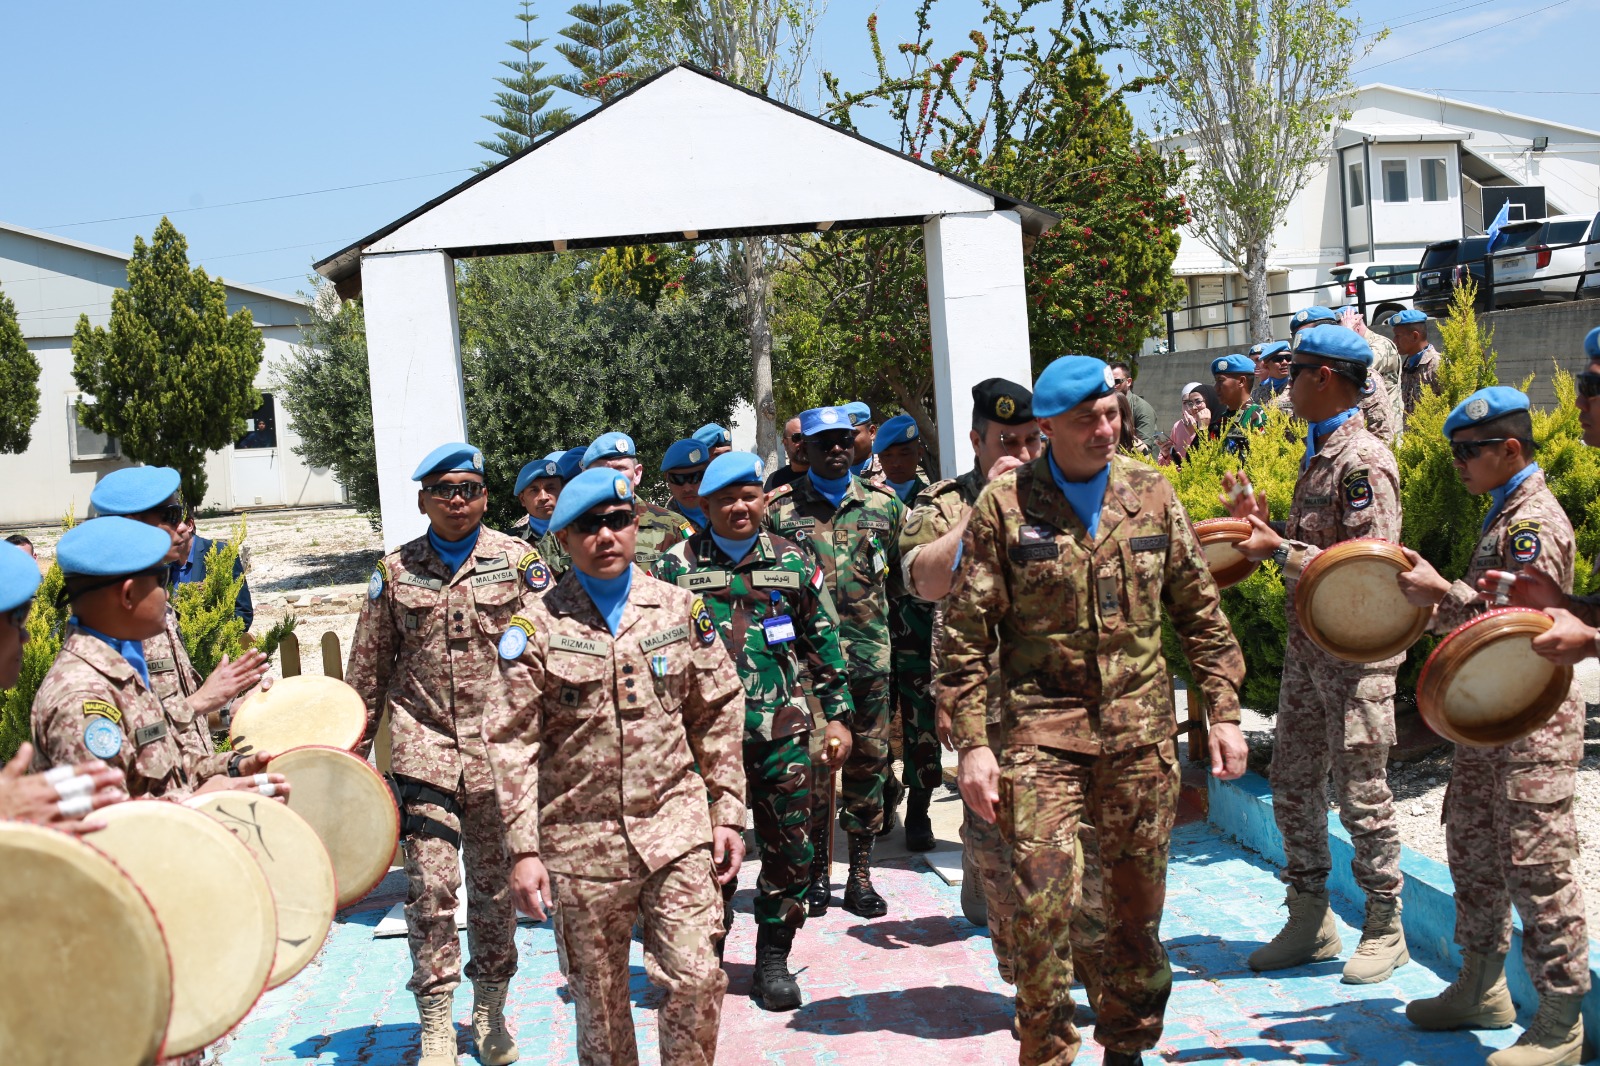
[(424, 650), (1272, 375), (683, 466), (659, 528), (793, 447)]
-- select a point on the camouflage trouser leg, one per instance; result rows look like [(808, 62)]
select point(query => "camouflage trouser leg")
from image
[(919, 740), (779, 786), (992, 856), (1088, 932), (1512, 839), (682, 915), (1318, 711), (433, 875), (1132, 797), (867, 768)]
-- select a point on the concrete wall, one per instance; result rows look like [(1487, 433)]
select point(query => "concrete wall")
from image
[(1527, 340)]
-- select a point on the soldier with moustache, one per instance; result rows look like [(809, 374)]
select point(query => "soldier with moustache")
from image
[(683, 466)]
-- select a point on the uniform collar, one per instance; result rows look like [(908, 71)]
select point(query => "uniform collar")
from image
[(855, 490), (568, 599), (1045, 501), (1513, 488), (708, 552), (98, 654)]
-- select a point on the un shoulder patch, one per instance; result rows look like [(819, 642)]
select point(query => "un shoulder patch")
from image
[(515, 639), (380, 574), (1525, 545), (704, 627), (1358, 489)]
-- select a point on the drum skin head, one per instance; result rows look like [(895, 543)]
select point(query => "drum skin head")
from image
[(1217, 537), (1350, 606), (351, 809), (297, 867), (214, 906), (86, 980), (296, 712), (1483, 685)]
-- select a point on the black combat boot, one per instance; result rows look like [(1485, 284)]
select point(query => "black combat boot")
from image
[(893, 791), (773, 987), (820, 894), (1123, 1058), (919, 828), (860, 898)]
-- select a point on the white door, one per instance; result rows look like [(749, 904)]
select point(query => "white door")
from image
[(256, 465)]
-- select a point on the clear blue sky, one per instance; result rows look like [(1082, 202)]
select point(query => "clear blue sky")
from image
[(130, 109)]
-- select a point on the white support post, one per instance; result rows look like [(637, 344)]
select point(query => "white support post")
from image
[(414, 359), (978, 313)]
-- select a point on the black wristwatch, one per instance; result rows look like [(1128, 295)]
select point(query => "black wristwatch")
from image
[(1281, 556)]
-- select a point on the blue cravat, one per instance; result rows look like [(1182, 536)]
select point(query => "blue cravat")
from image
[(734, 549), (131, 650), (902, 489), (610, 595), (862, 465), (1499, 495), (695, 515), (1320, 430), (540, 526), (1085, 497), (454, 552), (1277, 384), (832, 491)]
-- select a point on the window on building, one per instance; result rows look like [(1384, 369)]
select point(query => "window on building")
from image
[(1394, 182), (262, 428), (1358, 185), (1435, 181), (86, 443)]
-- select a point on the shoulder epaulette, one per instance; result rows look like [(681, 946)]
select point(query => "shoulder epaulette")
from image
[(782, 490)]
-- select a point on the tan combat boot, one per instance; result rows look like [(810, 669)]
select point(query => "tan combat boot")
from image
[(1382, 947), (438, 1030), (1308, 936), (1476, 999), (496, 1046), (1554, 1039)]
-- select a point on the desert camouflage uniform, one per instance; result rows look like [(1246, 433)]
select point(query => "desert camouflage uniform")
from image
[(857, 545), (659, 529), (1331, 712), (911, 638), (174, 679), (595, 750), (1089, 720), (1377, 409), (1424, 375), (775, 580), (1269, 399), (1510, 830), (1386, 365), (424, 648)]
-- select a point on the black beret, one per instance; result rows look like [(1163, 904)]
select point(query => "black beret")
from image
[(999, 400)]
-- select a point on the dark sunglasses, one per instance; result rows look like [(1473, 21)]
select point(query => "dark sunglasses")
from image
[(18, 616), (693, 477), (1469, 449), (445, 492), (1588, 384), (616, 521), (1296, 368), (796, 438), (169, 514), (1280, 357)]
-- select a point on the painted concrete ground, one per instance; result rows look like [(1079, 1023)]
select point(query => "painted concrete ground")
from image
[(920, 981)]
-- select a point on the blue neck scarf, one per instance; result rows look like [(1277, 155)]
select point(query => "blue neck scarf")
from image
[(695, 515), (454, 552), (540, 526), (832, 491), (1085, 497), (902, 489), (1416, 360), (862, 465), (131, 650), (1321, 430), (610, 595), (1499, 495), (1277, 385), (734, 549)]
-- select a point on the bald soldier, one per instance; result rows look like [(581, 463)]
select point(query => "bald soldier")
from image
[(1072, 559), (659, 528), (618, 690)]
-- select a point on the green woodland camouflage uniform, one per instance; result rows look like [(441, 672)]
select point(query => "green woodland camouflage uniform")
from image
[(659, 530), (424, 648), (857, 546), (1089, 720), (595, 750), (550, 552), (1510, 830), (911, 637), (775, 581)]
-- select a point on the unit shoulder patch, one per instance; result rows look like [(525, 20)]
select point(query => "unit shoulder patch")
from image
[(1357, 486), (704, 626), (1525, 546)]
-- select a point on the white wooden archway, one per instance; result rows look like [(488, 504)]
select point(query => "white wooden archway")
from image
[(683, 155)]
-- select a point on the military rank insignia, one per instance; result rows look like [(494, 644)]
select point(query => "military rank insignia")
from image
[(1358, 489), (704, 627), (534, 572), (380, 574), (1524, 541)]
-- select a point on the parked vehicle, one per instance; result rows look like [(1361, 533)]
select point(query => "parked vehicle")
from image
[(1448, 264), (1589, 284), (1548, 251), (1388, 287)]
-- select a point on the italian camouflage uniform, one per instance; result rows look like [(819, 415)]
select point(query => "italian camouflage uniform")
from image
[(684, 521), (1377, 409), (1333, 713), (1089, 719), (424, 649), (1509, 824), (774, 614), (1421, 372), (659, 529), (985, 854), (1386, 365), (595, 749), (857, 546), (1267, 398), (911, 638)]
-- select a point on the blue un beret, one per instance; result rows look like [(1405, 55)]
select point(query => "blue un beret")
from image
[(1271, 348), (1409, 317), (1591, 344), (1069, 381), (897, 430), (1334, 342), (823, 420), (1312, 316), (555, 456), (1483, 405), (19, 576), (860, 414), (609, 446), (687, 452), (589, 490), (713, 436), (1233, 364), (111, 547), (570, 463), (533, 471), (448, 458), (731, 468), (134, 490)]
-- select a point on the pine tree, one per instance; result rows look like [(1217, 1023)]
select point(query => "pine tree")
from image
[(525, 94), (19, 382), (601, 44), (173, 375)]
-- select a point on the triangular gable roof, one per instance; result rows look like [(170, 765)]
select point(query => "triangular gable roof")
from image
[(683, 152)]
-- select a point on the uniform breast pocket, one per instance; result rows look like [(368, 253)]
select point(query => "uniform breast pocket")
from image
[(156, 760), (1046, 584), (1144, 565), (496, 603), (577, 685), (415, 609)]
